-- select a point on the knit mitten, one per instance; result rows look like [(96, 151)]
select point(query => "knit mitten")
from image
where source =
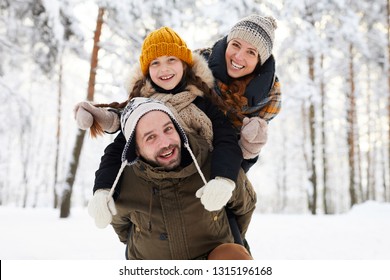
[(254, 132), (216, 193), (86, 112), (102, 207)]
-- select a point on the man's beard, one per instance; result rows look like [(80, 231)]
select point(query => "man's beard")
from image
[(172, 165)]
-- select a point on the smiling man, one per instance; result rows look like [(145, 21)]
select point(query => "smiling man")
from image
[(158, 214), (158, 145)]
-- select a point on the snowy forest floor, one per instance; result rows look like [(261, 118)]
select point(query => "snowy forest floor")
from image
[(361, 234)]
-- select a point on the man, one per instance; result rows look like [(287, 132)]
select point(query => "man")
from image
[(158, 214)]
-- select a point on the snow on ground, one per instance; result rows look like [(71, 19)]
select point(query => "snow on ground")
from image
[(361, 234)]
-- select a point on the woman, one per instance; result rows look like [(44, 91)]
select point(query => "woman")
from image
[(244, 68)]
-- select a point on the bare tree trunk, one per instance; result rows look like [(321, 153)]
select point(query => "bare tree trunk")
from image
[(387, 188), (370, 154), (282, 179), (324, 155), (305, 123), (67, 193), (66, 196), (58, 134), (381, 166), (25, 134), (95, 53), (312, 137), (351, 132), (358, 159)]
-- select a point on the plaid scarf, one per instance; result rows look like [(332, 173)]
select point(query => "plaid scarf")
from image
[(266, 109), (269, 107)]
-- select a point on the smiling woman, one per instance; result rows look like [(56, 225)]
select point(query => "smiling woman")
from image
[(243, 64)]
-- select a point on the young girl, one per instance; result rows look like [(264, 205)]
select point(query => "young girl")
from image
[(171, 73)]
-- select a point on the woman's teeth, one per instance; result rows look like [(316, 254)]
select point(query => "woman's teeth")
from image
[(237, 66)]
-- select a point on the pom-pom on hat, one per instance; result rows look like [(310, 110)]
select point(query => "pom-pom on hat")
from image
[(258, 31), (163, 41)]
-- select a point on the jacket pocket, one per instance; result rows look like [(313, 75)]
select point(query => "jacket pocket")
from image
[(220, 226), (137, 224)]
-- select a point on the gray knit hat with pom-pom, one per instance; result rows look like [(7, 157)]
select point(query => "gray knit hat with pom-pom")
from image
[(258, 31)]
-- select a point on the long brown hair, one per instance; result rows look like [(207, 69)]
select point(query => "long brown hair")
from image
[(231, 99)]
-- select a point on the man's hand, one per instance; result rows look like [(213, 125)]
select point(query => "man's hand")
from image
[(216, 193), (102, 207), (254, 134), (85, 113)]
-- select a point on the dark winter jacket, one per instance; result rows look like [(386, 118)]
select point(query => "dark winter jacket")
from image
[(159, 216), (226, 156)]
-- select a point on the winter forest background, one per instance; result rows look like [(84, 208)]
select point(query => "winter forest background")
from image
[(327, 150)]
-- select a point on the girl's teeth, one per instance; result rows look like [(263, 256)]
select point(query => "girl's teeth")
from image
[(166, 77)]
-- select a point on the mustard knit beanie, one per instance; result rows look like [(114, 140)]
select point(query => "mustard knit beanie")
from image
[(163, 41), (258, 31)]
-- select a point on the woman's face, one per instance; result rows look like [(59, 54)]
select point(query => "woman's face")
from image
[(241, 58), (166, 71)]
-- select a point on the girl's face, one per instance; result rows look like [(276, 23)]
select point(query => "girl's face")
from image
[(166, 71), (241, 58)]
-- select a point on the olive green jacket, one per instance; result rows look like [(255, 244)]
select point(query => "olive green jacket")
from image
[(159, 216)]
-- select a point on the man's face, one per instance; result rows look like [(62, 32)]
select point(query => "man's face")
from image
[(158, 141)]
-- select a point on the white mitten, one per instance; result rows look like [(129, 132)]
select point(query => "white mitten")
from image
[(102, 207), (216, 193), (85, 112), (254, 132)]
